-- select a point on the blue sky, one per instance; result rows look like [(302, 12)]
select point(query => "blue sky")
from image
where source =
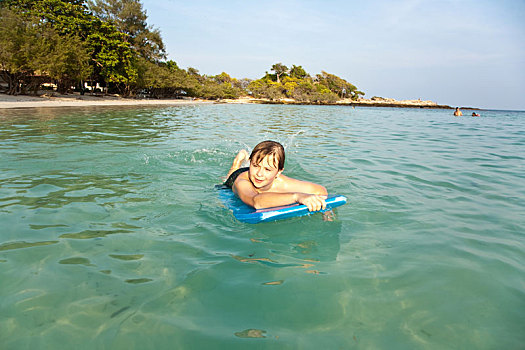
[(459, 53)]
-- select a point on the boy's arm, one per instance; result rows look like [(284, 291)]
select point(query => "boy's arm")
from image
[(245, 191)]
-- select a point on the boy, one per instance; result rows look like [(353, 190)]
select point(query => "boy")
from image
[(262, 184)]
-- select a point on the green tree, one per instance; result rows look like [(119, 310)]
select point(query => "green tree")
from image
[(114, 61), (67, 60), (323, 94), (165, 79), (279, 70), (112, 58), (256, 88), (223, 78), (289, 85), (129, 17), (337, 85), (19, 48), (65, 16), (29, 45), (298, 72), (274, 91)]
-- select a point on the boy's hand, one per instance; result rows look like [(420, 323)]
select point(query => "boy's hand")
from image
[(312, 201)]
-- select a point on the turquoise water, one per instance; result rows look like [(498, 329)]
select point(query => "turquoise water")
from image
[(112, 235)]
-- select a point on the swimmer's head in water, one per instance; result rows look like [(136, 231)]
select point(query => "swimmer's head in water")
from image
[(269, 148)]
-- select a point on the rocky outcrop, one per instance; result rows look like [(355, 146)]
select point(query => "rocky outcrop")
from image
[(390, 102), (363, 102)]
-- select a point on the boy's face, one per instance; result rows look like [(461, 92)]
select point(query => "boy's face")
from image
[(263, 174)]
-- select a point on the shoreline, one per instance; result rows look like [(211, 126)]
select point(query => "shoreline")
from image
[(360, 103), (77, 100)]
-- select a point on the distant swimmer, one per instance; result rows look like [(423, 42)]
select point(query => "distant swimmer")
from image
[(474, 114), (458, 113)]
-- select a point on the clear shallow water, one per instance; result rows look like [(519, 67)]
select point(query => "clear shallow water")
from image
[(112, 235)]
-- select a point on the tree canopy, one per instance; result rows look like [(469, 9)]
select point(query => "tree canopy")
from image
[(129, 17), (299, 85)]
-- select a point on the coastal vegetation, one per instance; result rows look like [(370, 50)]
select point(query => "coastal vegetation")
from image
[(107, 46), (297, 84)]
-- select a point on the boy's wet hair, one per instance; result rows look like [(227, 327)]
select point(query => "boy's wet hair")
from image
[(266, 148)]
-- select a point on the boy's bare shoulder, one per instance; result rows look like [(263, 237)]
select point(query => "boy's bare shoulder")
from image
[(290, 184)]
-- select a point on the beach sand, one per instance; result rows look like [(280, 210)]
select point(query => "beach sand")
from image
[(77, 100)]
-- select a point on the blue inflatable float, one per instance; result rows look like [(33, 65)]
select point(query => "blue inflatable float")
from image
[(245, 213)]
